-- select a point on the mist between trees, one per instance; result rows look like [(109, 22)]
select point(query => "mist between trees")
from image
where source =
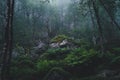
[(31, 29)]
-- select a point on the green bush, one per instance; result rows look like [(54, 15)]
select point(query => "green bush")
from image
[(24, 61), (22, 72), (23, 68), (81, 43), (116, 51), (79, 56), (43, 66), (78, 61), (56, 54), (115, 62)]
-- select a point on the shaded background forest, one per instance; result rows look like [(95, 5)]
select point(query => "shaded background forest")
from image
[(36, 20), (89, 27)]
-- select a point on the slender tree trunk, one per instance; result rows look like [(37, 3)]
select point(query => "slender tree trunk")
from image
[(48, 29), (7, 51), (34, 27), (11, 34), (99, 25), (93, 26)]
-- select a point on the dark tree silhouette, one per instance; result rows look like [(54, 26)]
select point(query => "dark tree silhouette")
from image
[(93, 23), (99, 25), (7, 51)]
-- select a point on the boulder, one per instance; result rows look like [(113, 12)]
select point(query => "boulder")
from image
[(41, 47), (57, 74), (54, 45), (109, 74), (62, 44)]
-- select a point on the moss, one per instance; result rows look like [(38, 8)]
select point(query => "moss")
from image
[(59, 38)]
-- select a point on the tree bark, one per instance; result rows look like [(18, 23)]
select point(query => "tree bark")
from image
[(7, 51), (93, 25), (99, 25)]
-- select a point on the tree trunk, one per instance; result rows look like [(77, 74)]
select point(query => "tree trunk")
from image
[(93, 25), (99, 25), (7, 51)]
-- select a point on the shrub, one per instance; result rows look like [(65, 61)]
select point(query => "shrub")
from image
[(24, 61), (56, 54), (43, 66), (23, 68), (115, 62), (22, 73), (79, 56), (81, 43), (115, 50)]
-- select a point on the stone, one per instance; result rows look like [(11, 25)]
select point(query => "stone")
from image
[(54, 45), (40, 45), (40, 48), (64, 43), (57, 74)]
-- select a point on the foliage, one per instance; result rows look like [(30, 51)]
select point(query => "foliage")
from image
[(78, 62), (115, 63), (79, 56), (116, 50), (45, 65), (56, 54), (59, 38), (23, 68), (40, 20), (81, 43)]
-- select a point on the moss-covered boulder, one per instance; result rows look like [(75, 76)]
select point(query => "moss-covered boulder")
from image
[(59, 38), (61, 41), (57, 74)]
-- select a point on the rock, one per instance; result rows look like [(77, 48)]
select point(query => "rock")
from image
[(15, 54), (40, 48), (54, 45), (57, 74), (108, 73), (40, 45), (64, 43)]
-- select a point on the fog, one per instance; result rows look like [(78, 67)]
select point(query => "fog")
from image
[(55, 3), (60, 3)]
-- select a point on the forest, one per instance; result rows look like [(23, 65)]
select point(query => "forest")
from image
[(59, 39)]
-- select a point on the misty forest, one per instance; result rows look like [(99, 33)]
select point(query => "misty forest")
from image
[(59, 39)]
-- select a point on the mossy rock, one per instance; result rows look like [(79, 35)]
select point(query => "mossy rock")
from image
[(99, 78), (59, 38), (57, 74)]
